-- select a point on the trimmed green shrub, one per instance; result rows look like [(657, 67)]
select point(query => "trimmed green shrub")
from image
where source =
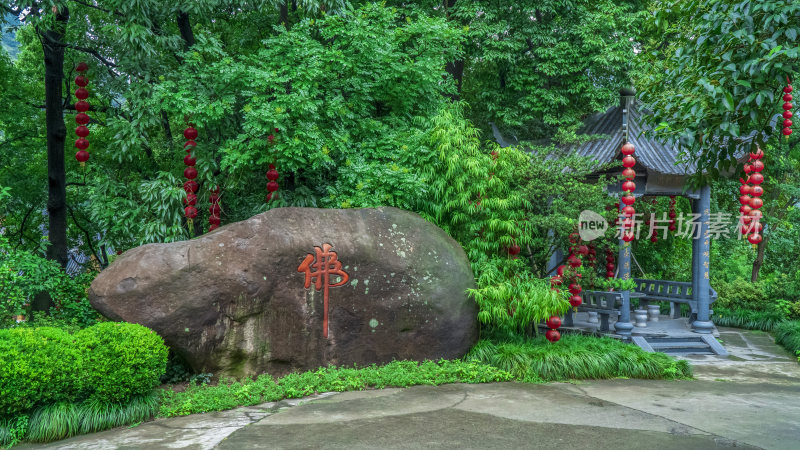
[(121, 360), (742, 294), (37, 366)]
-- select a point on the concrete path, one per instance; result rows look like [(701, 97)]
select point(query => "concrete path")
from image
[(750, 400)]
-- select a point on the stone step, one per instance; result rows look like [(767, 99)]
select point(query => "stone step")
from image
[(676, 344), (687, 351)]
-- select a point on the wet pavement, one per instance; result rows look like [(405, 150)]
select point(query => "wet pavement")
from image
[(749, 400)]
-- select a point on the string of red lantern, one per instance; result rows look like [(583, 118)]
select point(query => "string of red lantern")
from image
[(82, 118), (787, 107), (628, 186), (672, 214), (214, 209), (750, 199), (610, 266), (653, 233), (190, 186), (272, 174)]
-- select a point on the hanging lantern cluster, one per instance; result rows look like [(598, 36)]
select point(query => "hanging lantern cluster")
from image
[(553, 323), (82, 118), (272, 174), (575, 262), (751, 192), (591, 258), (214, 209), (628, 186), (672, 214), (787, 109), (190, 186), (610, 266)]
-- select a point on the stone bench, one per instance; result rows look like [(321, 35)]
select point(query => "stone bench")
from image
[(603, 303), (675, 292)]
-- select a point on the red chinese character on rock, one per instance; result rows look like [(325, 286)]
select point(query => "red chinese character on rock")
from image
[(320, 267)]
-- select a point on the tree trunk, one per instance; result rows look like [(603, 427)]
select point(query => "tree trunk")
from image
[(454, 68), (284, 18), (56, 137), (186, 30), (759, 261)]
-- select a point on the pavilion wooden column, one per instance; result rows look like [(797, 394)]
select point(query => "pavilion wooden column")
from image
[(624, 326), (701, 260)]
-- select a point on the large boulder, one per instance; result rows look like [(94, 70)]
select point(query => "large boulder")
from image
[(248, 298)]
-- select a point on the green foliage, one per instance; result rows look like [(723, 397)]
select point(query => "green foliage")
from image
[(576, 357), (742, 294), (747, 319), (105, 363), (618, 284), (13, 430), (726, 64), (537, 68), (787, 334), (230, 394), (23, 275), (37, 366), (121, 360)]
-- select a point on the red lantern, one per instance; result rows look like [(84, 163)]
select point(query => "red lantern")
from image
[(514, 250), (756, 203), (190, 200), (745, 189), (191, 212), (756, 178), (190, 133), (628, 149), (214, 209), (190, 173), (553, 322), (629, 173), (82, 93), (575, 301), (787, 114), (82, 144), (628, 199), (787, 97), (272, 175), (82, 131), (756, 214), (189, 161), (610, 274), (758, 166), (627, 236), (272, 186), (81, 119), (574, 262), (787, 131), (189, 145), (787, 106), (190, 186), (214, 220), (556, 281), (82, 156), (754, 238), (628, 162), (82, 106), (757, 191), (628, 186), (788, 89), (583, 250), (574, 288), (560, 270), (82, 67), (745, 199), (552, 335), (81, 80), (758, 154)]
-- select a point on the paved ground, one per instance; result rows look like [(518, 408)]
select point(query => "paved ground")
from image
[(748, 400)]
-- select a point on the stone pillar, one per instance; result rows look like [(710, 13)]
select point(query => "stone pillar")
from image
[(624, 325), (701, 295)]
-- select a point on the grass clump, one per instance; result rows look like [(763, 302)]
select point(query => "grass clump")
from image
[(747, 319), (576, 357), (231, 394), (62, 420), (787, 335)]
